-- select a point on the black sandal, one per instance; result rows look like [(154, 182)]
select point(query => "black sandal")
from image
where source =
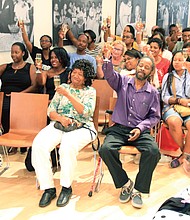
[(175, 162)]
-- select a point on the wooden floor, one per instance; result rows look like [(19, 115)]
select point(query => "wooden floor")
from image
[(19, 197)]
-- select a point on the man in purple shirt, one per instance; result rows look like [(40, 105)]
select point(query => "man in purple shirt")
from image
[(137, 110)]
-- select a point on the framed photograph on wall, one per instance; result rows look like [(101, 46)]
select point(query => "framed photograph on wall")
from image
[(129, 12), (11, 11), (79, 15), (172, 12)]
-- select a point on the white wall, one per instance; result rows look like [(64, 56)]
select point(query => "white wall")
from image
[(43, 19)]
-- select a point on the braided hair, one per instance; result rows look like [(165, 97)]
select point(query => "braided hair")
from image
[(171, 75)]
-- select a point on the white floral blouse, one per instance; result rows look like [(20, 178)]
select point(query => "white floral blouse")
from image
[(63, 106)]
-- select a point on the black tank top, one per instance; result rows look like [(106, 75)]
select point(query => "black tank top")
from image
[(15, 81)]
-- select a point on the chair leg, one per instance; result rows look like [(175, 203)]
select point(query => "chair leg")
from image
[(6, 156), (37, 184)]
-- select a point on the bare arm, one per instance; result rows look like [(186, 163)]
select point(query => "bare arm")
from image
[(61, 36), (72, 37), (99, 71), (33, 87), (171, 41), (41, 78), (2, 68), (25, 37)]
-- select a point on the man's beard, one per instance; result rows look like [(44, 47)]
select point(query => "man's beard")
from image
[(142, 78)]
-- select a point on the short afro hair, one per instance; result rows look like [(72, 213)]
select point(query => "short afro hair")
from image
[(87, 68)]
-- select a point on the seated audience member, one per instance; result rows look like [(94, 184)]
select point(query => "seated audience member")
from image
[(72, 102), (160, 30), (92, 48), (176, 90), (164, 52), (127, 29), (59, 61), (174, 36), (154, 28), (141, 30), (82, 43), (162, 64), (158, 33), (45, 43), (128, 39), (117, 51), (17, 76), (187, 63), (131, 58), (185, 39), (132, 127)]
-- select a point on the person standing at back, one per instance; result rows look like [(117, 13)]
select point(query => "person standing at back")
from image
[(185, 39), (82, 43), (45, 43), (92, 49)]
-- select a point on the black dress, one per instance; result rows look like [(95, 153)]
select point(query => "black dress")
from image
[(13, 81)]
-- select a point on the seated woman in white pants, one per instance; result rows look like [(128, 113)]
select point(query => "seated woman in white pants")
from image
[(74, 101)]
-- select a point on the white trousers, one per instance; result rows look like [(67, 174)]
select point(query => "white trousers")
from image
[(70, 144)]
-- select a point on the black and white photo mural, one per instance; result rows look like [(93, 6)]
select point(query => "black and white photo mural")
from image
[(80, 15), (172, 12), (129, 12), (12, 11)]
